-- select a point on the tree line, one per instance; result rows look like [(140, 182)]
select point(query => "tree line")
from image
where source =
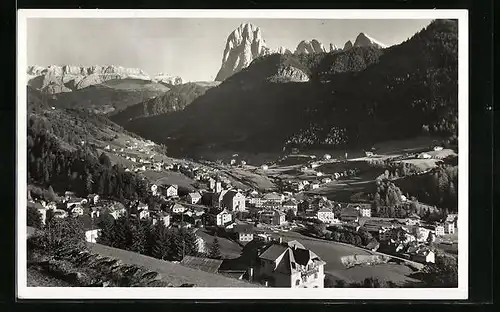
[(438, 188), (79, 169), (143, 237)]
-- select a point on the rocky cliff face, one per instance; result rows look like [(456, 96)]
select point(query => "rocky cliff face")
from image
[(168, 79), (307, 47), (290, 74), (347, 45), (363, 40), (56, 79), (333, 48), (283, 50), (243, 45)]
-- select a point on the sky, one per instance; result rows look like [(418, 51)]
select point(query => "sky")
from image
[(191, 48)]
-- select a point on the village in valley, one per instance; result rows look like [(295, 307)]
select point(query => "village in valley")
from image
[(275, 223), (310, 165)]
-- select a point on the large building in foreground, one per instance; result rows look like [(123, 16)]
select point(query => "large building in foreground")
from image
[(290, 265)]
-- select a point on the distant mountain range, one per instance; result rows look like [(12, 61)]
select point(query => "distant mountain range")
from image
[(66, 78), (354, 97)]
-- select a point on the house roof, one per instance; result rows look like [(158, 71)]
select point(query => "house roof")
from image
[(287, 263), (451, 217), (325, 210), (372, 244), (303, 256), (414, 216), (290, 202), (280, 213), (244, 228), (295, 244), (360, 205), (203, 264), (272, 196), (224, 211), (349, 212), (194, 194), (273, 252), (229, 195), (177, 206), (233, 274)]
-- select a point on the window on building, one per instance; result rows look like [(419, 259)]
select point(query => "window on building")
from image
[(297, 282)]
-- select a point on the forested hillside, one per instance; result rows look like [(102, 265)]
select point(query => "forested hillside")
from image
[(177, 98), (62, 152)]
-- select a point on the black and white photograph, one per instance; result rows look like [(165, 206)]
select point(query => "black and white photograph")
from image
[(252, 154)]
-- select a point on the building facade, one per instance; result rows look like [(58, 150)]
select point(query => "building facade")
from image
[(281, 265), (326, 215), (223, 217), (194, 198)]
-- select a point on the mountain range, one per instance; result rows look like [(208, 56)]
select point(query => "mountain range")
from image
[(245, 44), (353, 97), (265, 100), (66, 78)]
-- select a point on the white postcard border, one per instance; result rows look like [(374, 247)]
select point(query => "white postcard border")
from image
[(461, 292)]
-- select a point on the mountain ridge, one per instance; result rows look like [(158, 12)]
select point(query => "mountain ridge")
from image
[(329, 108), (55, 79), (246, 44)]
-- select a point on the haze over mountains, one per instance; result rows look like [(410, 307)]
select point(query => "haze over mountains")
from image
[(267, 99)]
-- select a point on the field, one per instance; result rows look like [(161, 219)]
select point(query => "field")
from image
[(332, 252), (229, 249), (256, 181), (387, 272), (422, 164), (170, 177)]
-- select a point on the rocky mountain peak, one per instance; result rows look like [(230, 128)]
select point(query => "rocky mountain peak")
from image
[(334, 48), (283, 50), (363, 40), (66, 78), (347, 45), (243, 45), (307, 47)]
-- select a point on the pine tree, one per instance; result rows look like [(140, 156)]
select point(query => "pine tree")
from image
[(136, 236), (160, 242), (101, 184), (214, 251), (107, 234), (120, 233), (176, 246), (191, 243), (50, 195), (104, 160), (33, 217), (88, 182)]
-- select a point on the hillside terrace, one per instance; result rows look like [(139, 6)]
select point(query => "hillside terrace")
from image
[(173, 273)]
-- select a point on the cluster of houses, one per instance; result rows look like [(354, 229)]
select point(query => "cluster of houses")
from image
[(86, 209), (412, 239)]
